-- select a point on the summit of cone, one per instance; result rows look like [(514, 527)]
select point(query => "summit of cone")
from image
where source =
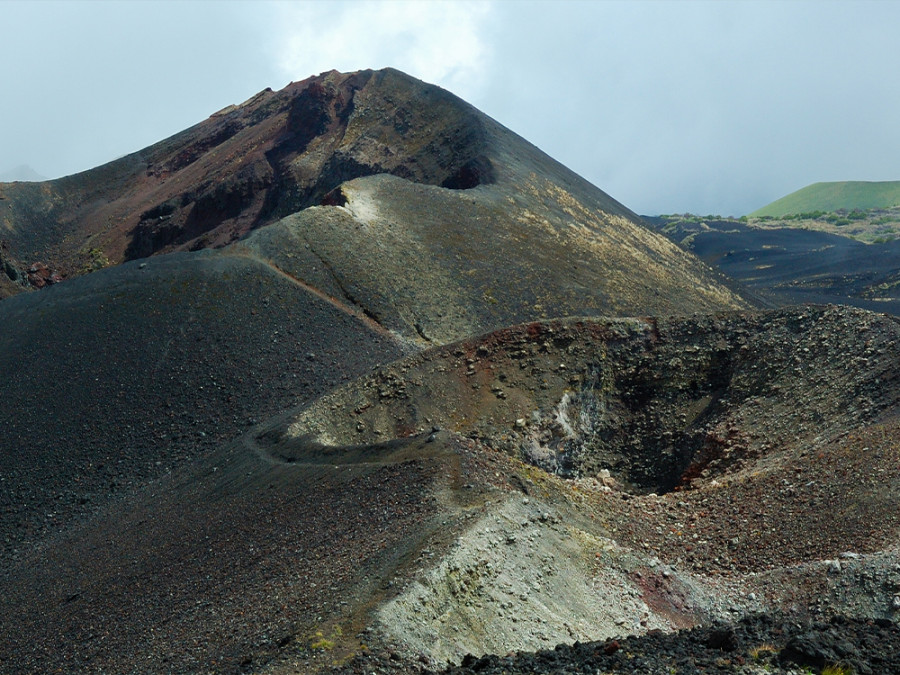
[(397, 195)]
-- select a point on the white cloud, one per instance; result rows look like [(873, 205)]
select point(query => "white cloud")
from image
[(440, 42)]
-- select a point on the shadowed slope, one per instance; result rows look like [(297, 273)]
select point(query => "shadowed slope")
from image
[(216, 567)]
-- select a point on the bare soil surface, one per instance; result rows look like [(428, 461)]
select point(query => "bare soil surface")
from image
[(794, 262), (137, 370)]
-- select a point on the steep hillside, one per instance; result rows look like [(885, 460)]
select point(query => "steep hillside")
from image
[(436, 265), (465, 194), (294, 396), (120, 376), (846, 195)]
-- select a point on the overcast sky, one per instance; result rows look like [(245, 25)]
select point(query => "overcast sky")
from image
[(707, 107)]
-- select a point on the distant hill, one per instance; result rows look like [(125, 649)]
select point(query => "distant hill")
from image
[(23, 172), (847, 195)]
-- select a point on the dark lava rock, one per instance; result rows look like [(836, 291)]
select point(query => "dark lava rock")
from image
[(772, 643)]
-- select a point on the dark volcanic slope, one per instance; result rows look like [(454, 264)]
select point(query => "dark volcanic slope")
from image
[(467, 194), (117, 376), (215, 568), (357, 217), (796, 266), (279, 549)]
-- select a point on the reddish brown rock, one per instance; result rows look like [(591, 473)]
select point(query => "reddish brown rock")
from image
[(39, 275)]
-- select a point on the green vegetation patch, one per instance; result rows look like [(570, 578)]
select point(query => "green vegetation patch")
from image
[(91, 260), (836, 196), (869, 226)]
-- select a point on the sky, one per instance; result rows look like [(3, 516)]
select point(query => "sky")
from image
[(670, 107)]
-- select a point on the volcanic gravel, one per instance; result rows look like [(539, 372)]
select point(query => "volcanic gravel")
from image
[(135, 370)]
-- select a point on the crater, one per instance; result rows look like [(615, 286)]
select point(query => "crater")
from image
[(644, 405)]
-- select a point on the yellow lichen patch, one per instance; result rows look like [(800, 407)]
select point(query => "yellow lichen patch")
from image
[(319, 640)]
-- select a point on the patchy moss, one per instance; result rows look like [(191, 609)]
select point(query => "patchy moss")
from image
[(91, 260), (320, 642)]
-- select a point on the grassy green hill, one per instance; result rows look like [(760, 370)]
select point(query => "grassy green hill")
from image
[(847, 195)]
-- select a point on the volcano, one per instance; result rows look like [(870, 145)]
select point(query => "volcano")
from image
[(349, 376)]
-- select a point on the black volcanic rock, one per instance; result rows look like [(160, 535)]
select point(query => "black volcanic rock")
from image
[(759, 643), (790, 265)]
